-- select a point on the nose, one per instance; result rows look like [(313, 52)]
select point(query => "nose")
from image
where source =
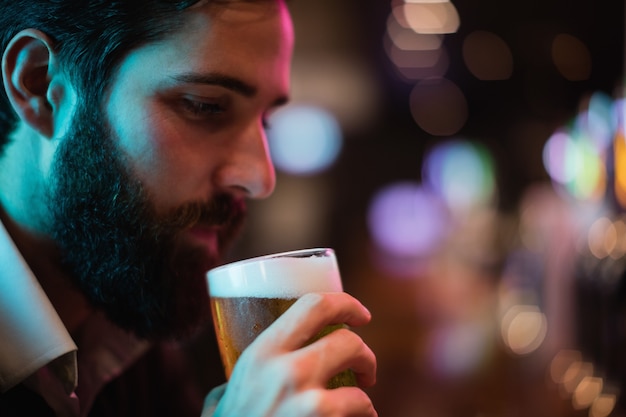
[(247, 167)]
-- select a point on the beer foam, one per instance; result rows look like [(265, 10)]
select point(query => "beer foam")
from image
[(276, 277)]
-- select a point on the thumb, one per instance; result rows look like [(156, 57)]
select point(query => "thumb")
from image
[(211, 400)]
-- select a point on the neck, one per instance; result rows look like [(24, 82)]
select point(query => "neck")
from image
[(24, 170)]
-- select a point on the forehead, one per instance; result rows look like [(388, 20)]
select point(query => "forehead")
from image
[(245, 26), (252, 40)]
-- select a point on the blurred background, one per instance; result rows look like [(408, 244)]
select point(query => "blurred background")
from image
[(466, 160)]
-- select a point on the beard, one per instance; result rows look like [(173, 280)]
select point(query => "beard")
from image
[(127, 260)]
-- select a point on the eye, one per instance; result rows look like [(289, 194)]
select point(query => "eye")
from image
[(201, 109)]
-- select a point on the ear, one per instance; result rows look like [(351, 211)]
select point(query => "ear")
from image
[(27, 72)]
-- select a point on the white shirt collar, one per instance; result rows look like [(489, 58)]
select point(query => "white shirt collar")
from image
[(31, 331)]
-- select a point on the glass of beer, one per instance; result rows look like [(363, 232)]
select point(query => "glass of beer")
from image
[(247, 296)]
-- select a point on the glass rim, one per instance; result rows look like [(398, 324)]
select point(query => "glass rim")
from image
[(298, 253)]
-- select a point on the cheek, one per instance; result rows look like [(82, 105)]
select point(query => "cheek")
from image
[(158, 156)]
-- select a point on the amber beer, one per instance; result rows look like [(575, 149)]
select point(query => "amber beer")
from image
[(247, 296)]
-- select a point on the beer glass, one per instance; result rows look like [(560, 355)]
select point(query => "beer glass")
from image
[(247, 296)]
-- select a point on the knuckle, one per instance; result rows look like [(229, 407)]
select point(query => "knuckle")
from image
[(316, 301), (347, 340), (328, 304), (303, 370)]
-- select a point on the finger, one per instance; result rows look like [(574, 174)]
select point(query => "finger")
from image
[(344, 402), (310, 314), (211, 400), (348, 402), (340, 350)]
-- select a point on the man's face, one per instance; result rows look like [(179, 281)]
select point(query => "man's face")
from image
[(148, 194)]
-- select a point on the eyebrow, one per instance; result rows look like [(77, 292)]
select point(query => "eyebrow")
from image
[(231, 83)]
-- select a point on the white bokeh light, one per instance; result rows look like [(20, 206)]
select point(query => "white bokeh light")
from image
[(304, 139), (461, 172)]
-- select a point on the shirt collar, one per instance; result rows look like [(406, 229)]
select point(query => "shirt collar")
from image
[(31, 331)]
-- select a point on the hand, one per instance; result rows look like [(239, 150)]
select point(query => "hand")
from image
[(278, 376)]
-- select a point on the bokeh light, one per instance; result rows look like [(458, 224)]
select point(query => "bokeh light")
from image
[(599, 120), (602, 237), (487, 56), (578, 380), (406, 39), (414, 37), (461, 172), (414, 55), (559, 160), (575, 373), (603, 405), (419, 65), (425, 59), (404, 219), (524, 328), (438, 106), (304, 139), (577, 156), (429, 17), (619, 164), (607, 237), (573, 162), (561, 363), (571, 57), (586, 392)]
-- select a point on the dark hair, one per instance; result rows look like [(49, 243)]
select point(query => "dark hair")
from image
[(90, 37)]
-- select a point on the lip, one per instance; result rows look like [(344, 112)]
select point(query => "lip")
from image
[(205, 236)]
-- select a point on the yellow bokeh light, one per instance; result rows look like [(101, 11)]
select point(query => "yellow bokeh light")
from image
[(524, 328), (575, 373), (602, 237), (561, 363), (619, 163), (406, 39), (620, 247), (440, 17), (603, 405), (586, 392)]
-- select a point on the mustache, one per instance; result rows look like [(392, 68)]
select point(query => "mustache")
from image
[(223, 211)]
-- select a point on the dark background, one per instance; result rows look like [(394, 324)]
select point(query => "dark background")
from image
[(340, 42)]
